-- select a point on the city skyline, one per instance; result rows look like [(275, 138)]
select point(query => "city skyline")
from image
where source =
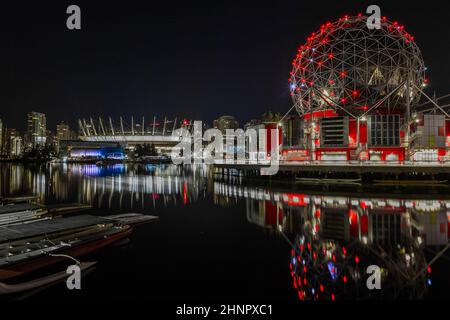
[(232, 59), (273, 153)]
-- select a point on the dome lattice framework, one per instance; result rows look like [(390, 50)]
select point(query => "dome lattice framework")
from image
[(354, 70)]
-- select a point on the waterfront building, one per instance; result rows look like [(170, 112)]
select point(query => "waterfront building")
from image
[(16, 146), (359, 102), (266, 125), (129, 134), (63, 131), (36, 129), (87, 150), (226, 122), (13, 146)]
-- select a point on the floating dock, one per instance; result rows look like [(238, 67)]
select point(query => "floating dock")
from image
[(364, 171)]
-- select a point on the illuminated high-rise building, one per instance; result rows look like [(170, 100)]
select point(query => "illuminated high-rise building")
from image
[(1, 136), (63, 131), (16, 146), (13, 146), (37, 129)]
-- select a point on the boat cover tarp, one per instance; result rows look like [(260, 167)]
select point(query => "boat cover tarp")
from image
[(19, 207), (27, 230)]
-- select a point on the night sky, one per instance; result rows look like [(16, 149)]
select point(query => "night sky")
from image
[(193, 59)]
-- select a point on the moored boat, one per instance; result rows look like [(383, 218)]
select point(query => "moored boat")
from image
[(6, 288), (38, 259)]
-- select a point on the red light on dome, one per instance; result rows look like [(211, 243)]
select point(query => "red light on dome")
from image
[(429, 269), (343, 74), (343, 100), (330, 55), (301, 295), (321, 288), (356, 259), (355, 93), (345, 279), (344, 251), (333, 297)]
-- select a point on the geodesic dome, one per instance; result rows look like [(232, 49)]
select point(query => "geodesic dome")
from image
[(349, 67)]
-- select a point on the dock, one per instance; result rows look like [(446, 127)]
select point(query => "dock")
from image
[(364, 171)]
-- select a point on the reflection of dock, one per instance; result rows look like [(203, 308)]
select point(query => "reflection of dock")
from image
[(378, 219)]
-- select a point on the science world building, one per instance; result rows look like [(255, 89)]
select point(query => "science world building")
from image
[(360, 94)]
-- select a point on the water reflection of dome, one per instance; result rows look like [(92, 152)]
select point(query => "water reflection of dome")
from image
[(334, 239)]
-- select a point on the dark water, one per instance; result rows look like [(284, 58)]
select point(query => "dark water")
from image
[(221, 239)]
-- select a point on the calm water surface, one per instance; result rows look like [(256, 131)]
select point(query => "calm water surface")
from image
[(222, 239)]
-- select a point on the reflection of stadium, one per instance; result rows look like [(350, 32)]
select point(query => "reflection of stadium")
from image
[(336, 238)]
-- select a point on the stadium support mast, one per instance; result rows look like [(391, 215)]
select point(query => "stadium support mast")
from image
[(174, 124), (111, 125), (101, 126), (154, 124), (93, 127), (121, 126), (80, 124), (164, 126)]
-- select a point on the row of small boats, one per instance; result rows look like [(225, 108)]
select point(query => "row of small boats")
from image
[(34, 238), (23, 212)]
